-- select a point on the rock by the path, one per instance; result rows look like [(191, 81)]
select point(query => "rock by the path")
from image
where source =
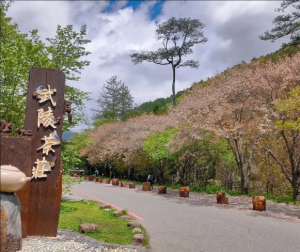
[(138, 240), (87, 227), (105, 206), (125, 217), (134, 223), (137, 230), (118, 213), (86, 202)]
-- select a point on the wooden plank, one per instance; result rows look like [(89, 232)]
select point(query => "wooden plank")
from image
[(45, 193), (16, 151)]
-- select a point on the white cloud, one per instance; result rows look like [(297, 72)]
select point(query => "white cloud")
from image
[(232, 29)]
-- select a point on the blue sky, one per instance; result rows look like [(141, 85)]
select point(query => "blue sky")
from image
[(154, 11)]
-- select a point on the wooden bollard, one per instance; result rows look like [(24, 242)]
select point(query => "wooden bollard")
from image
[(91, 177), (115, 182), (131, 185), (107, 181), (96, 179), (123, 184), (146, 186), (225, 200), (259, 203), (75, 175), (162, 190), (85, 177), (100, 180), (184, 191), (221, 199)]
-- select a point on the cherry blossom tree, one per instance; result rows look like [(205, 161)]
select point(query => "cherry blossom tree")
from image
[(238, 105)]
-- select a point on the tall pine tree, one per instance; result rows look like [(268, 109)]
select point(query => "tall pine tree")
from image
[(114, 101)]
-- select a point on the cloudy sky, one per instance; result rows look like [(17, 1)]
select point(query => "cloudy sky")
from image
[(120, 28)]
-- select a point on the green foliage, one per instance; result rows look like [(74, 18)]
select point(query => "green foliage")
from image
[(66, 49), (160, 105), (286, 25), (155, 145), (290, 108), (68, 182), (71, 149), (114, 101), (113, 230), (20, 52)]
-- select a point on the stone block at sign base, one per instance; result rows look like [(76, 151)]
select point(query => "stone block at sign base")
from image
[(259, 203), (107, 181), (162, 189), (131, 185), (87, 227), (138, 240), (115, 182), (146, 186), (123, 184), (184, 191), (11, 227)]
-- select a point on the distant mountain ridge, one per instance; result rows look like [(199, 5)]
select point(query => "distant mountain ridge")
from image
[(66, 136)]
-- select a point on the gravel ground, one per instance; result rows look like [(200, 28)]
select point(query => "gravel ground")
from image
[(67, 240)]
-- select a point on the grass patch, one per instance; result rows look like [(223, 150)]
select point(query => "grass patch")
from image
[(111, 229)]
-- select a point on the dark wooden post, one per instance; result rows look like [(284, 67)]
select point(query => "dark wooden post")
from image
[(184, 191), (146, 186), (45, 192), (259, 203), (131, 185), (162, 190), (115, 182)]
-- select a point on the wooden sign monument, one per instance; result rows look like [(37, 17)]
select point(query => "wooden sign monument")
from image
[(44, 116)]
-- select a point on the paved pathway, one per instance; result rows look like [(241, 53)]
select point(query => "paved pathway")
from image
[(198, 224)]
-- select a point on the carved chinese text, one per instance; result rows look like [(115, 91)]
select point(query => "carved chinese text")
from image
[(46, 118), (53, 139), (41, 167), (44, 94)]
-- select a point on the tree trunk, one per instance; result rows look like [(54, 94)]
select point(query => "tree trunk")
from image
[(244, 180), (173, 87), (110, 170), (295, 184)]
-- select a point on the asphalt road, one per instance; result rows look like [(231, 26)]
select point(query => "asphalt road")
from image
[(178, 225)]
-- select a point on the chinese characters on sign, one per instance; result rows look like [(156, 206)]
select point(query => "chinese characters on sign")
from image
[(53, 139), (45, 94), (41, 167), (45, 118)]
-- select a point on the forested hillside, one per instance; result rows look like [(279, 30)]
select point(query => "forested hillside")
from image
[(240, 126)]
